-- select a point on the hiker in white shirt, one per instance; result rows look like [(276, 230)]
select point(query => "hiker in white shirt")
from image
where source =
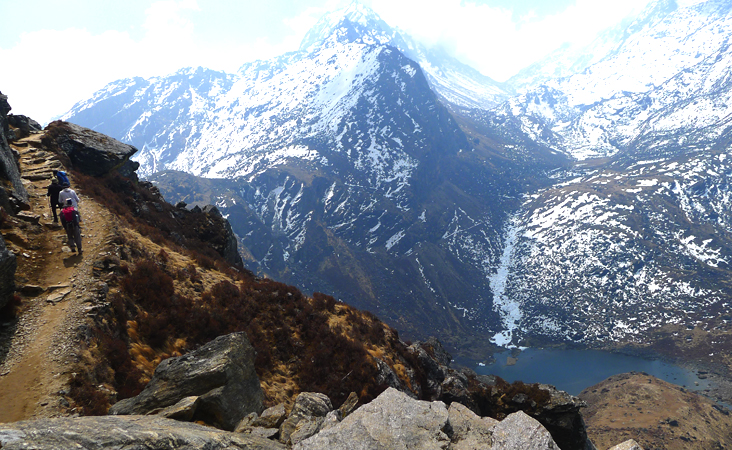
[(68, 194)]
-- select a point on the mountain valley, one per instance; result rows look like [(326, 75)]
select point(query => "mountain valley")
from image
[(586, 203)]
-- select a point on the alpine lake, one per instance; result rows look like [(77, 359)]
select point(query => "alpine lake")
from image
[(573, 370)]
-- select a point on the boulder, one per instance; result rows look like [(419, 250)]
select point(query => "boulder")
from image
[(138, 432), (561, 416), (221, 373), (8, 264), (271, 417), (310, 407), (348, 406), (630, 444), (519, 431), (392, 420), (24, 124), (184, 410), (89, 152), (469, 431)]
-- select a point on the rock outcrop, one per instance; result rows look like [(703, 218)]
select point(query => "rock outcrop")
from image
[(24, 126), (228, 247), (491, 396), (221, 374), (306, 417), (395, 420), (13, 196), (88, 151), (116, 432)]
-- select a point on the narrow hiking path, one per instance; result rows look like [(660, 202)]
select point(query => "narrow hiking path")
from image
[(58, 290)]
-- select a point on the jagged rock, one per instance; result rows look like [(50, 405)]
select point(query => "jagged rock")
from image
[(24, 124), (230, 248), (307, 405), (434, 360), (8, 264), (266, 433), (561, 416), (90, 152), (392, 420), (183, 410), (101, 433), (271, 417), (455, 389), (387, 377), (307, 427), (15, 197), (630, 444), (221, 373), (520, 431), (246, 422), (469, 431), (129, 169), (332, 419), (349, 405)]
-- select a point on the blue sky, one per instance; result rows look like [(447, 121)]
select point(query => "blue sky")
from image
[(56, 53)]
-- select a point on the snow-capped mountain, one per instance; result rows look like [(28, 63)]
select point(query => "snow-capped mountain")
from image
[(668, 59), (346, 172), (457, 83), (613, 254), (374, 169), (663, 41)]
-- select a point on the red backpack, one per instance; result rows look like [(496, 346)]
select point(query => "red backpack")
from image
[(68, 214)]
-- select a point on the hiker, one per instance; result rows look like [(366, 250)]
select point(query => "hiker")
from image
[(70, 220), (68, 194), (61, 178), (53, 190)]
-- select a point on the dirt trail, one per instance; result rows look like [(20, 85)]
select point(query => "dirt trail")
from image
[(41, 346)]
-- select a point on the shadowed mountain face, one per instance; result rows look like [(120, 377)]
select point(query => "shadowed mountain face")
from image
[(349, 168)]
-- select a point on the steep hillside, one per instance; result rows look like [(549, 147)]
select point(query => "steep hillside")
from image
[(654, 413), (616, 254)]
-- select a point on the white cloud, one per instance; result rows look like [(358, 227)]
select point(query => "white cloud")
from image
[(51, 70), (490, 39), (76, 63)]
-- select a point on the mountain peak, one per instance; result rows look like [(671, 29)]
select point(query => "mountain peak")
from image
[(355, 23)]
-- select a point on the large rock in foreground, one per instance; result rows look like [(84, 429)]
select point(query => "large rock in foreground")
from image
[(396, 421), (221, 374), (128, 432), (392, 420), (90, 152)]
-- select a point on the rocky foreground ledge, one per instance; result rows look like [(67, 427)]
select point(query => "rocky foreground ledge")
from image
[(392, 421), (217, 385)]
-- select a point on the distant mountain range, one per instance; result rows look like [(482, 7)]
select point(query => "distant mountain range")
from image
[(587, 200)]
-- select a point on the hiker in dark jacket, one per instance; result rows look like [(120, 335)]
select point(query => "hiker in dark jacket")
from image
[(53, 190), (70, 220)]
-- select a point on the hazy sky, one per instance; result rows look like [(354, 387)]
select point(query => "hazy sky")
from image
[(55, 53)]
